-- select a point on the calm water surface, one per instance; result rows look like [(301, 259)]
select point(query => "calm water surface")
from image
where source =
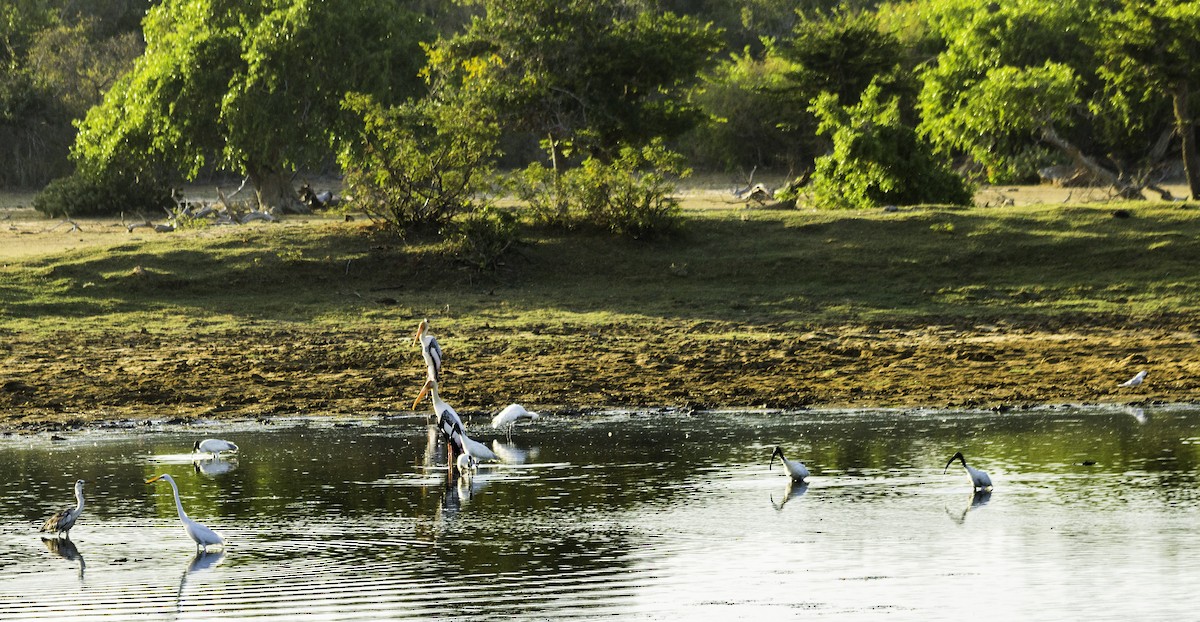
[(630, 515)]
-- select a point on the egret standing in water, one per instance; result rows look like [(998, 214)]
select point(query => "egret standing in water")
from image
[(64, 519), (794, 468), (214, 446), (511, 416), (201, 535), (430, 351), (979, 479)]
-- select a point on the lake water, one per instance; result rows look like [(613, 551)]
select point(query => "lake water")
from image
[(622, 515)]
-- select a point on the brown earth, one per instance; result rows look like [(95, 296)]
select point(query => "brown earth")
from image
[(71, 380)]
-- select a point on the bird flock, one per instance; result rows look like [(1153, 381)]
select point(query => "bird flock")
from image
[(464, 454)]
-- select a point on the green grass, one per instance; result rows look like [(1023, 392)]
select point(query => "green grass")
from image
[(743, 269)]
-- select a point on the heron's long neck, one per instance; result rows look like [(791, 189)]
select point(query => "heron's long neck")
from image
[(178, 503), (79, 498)]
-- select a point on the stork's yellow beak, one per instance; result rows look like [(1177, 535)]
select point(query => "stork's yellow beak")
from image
[(153, 479), (422, 394)]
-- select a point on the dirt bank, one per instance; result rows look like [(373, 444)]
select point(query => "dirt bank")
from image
[(70, 380)]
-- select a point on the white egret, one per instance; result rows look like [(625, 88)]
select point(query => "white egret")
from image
[(451, 426), (467, 465), (430, 351), (979, 479), (214, 446), (201, 535), (794, 468), (1135, 381), (511, 416), (64, 519)]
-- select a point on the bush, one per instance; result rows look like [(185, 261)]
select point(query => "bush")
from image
[(88, 193), (629, 196), (417, 164), (878, 160), (482, 238)]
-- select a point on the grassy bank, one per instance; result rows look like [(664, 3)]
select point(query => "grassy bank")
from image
[(758, 306), (1028, 264)]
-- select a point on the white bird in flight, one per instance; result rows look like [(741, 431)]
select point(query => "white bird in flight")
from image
[(214, 446), (430, 351), (979, 479), (794, 468), (63, 520), (201, 535), (1136, 380)]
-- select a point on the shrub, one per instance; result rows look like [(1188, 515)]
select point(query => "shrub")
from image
[(628, 196), (877, 159), (482, 238), (417, 164), (93, 193)]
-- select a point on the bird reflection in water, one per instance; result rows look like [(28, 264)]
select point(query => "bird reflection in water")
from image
[(510, 453), (793, 489), (64, 548), (202, 562), (979, 498), (212, 467)]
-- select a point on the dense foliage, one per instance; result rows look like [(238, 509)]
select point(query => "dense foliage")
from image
[(994, 91)]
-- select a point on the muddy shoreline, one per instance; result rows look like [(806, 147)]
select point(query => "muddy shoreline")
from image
[(72, 380)]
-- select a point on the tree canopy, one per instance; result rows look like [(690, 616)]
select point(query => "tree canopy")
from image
[(254, 88), (1000, 90), (599, 72)]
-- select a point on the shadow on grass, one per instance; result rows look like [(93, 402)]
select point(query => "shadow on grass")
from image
[(765, 267)]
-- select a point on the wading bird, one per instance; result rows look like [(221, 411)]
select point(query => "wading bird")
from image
[(214, 446), (451, 426), (430, 351), (796, 469), (1135, 381), (201, 535), (511, 416), (466, 465), (979, 479), (64, 519)]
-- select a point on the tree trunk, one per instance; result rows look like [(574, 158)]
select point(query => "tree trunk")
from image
[(274, 190), (1186, 129), (1124, 189)]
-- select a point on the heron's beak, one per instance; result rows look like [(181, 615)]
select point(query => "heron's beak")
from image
[(153, 479), (421, 395)]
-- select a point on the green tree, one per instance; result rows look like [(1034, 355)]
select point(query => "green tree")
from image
[(1151, 53), (746, 121), (878, 159), (597, 73), (758, 103), (1017, 87), (254, 88)]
